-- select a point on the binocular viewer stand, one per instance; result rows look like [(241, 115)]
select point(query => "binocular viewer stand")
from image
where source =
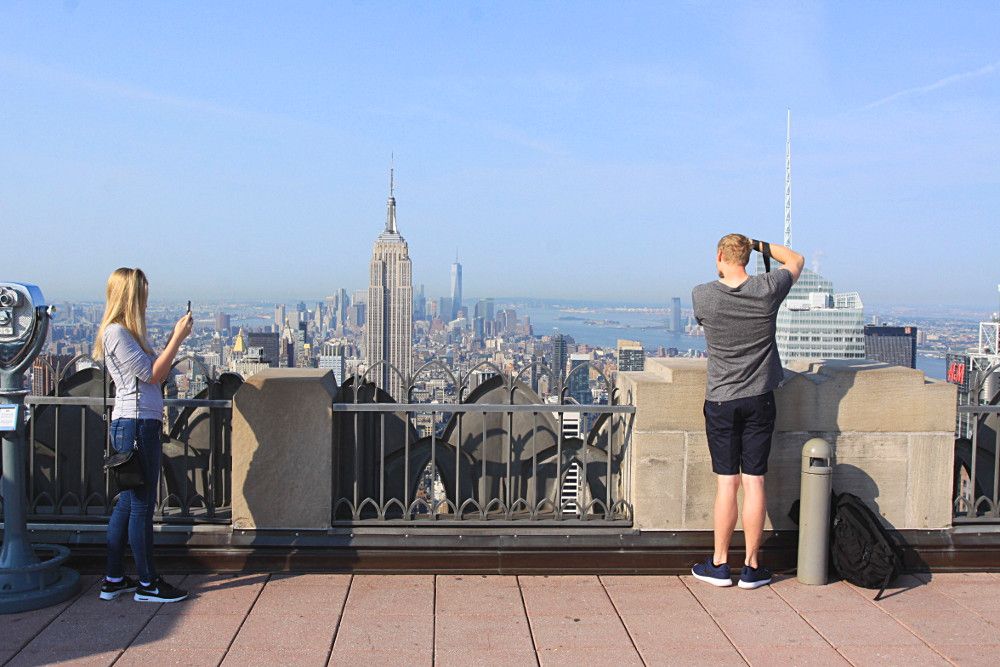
[(26, 581)]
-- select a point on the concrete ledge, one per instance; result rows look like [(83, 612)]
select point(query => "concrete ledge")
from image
[(283, 450), (427, 550), (891, 431)]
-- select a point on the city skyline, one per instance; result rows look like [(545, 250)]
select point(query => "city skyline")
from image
[(669, 127)]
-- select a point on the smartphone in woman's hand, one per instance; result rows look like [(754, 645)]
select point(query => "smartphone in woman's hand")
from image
[(189, 306)]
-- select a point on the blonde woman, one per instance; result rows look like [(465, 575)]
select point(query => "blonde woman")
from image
[(136, 419)]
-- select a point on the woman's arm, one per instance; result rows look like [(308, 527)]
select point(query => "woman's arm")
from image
[(161, 367)]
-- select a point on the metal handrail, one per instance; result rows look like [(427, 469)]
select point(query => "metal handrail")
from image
[(96, 400), (980, 409), (483, 407)]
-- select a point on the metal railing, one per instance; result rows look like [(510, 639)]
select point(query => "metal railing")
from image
[(977, 467), (68, 439), (497, 454), (490, 454), (66, 480)]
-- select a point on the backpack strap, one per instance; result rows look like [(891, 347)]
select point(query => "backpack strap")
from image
[(885, 584)]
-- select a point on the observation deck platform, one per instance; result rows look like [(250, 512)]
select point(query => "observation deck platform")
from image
[(343, 619)]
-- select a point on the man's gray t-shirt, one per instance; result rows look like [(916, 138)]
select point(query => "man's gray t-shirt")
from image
[(739, 327)]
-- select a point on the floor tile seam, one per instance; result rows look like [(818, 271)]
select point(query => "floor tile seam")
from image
[(816, 629), (340, 619), (527, 618), (716, 621), (50, 622), (988, 620), (811, 625), (621, 620), (906, 627), (136, 635), (236, 634)]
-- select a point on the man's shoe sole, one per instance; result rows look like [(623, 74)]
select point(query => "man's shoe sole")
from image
[(113, 595), (721, 583), (750, 585), (154, 598)]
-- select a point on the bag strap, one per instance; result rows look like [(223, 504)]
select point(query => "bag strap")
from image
[(104, 395), (135, 440), (764, 248), (885, 584), (135, 436)]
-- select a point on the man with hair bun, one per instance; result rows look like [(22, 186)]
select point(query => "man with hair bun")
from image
[(739, 314)]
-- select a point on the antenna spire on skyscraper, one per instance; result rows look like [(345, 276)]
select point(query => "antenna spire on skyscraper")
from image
[(390, 214), (788, 181)]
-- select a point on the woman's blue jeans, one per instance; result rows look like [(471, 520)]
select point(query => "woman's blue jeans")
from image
[(132, 519)]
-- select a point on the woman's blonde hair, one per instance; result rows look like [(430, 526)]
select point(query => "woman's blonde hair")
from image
[(126, 305)]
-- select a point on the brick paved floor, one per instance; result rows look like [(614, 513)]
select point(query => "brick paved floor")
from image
[(320, 619)]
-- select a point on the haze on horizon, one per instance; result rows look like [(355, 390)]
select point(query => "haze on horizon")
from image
[(568, 150)]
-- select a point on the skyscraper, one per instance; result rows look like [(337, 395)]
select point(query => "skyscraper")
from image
[(420, 305), (559, 356), (343, 302), (813, 321), (445, 310), (631, 356), (456, 287), (892, 345), (222, 322), (269, 345), (486, 309), (579, 379), (389, 328)]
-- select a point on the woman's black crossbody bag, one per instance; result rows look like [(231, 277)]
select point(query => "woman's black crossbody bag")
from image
[(124, 467)]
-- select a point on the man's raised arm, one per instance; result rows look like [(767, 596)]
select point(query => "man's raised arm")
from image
[(790, 260)]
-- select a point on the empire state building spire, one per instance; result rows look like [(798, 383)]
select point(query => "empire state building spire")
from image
[(788, 182), (390, 214)]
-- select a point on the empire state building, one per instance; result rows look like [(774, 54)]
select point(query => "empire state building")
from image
[(390, 307)]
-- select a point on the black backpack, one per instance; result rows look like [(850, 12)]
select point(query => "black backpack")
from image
[(861, 551)]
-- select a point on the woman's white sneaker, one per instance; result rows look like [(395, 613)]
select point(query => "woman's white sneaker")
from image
[(159, 591)]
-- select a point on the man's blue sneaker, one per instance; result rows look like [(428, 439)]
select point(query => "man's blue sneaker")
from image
[(710, 573), (754, 577)]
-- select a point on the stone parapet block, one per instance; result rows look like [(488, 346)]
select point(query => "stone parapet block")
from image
[(891, 430), (282, 442), (668, 395), (863, 395), (842, 395)]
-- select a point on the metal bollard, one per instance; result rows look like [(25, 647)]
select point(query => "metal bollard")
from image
[(814, 512)]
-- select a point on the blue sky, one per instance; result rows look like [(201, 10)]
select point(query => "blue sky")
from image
[(583, 149)]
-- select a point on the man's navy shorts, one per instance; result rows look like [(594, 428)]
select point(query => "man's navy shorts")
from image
[(739, 434)]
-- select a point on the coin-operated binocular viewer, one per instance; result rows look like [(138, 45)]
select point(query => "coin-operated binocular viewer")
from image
[(26, 581)]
